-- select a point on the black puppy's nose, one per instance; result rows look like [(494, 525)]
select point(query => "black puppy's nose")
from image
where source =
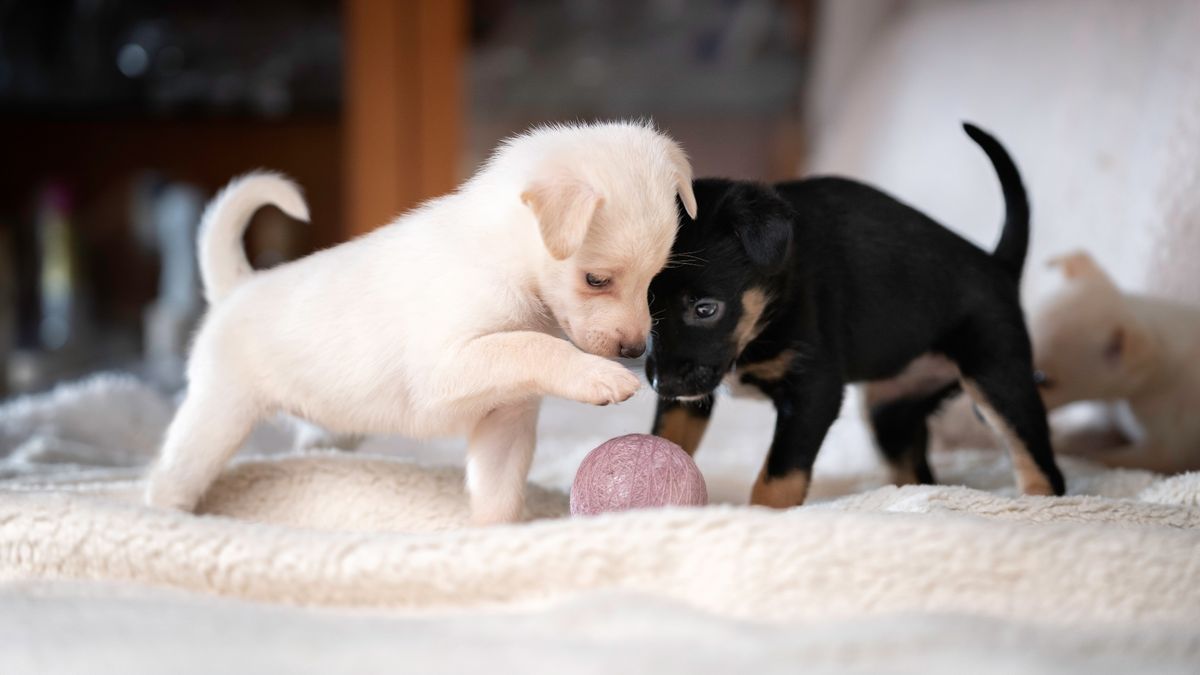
[(632, 350)]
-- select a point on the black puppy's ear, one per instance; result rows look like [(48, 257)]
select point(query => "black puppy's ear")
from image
[(764, 227)]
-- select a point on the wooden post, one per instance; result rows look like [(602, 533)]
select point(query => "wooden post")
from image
[(403, 109)]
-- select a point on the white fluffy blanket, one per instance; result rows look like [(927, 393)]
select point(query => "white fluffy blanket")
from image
[(1110, 572)]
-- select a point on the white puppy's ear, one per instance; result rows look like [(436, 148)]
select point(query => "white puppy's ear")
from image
[(683, 179), (1128, 346), (1078, 265), (564, 210), (687, 197)]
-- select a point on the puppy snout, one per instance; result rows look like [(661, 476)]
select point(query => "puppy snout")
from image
[(702, 375), (684, 378), (632, 350)]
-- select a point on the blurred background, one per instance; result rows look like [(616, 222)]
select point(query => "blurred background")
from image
[(120, 119)]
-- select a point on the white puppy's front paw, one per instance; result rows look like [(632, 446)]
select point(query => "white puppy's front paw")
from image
[(602, 382), (161, 496), (166, 492)]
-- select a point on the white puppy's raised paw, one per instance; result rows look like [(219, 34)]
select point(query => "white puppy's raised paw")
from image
[(601, 382)]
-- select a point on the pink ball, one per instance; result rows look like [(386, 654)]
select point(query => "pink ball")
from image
[(636, 472)]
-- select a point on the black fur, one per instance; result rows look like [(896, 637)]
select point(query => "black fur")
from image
[(859, 285)]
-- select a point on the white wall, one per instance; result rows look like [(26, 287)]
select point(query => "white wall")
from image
[(1098, 101)]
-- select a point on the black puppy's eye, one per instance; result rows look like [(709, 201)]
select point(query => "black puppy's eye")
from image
[(703, 311), (596, 281)]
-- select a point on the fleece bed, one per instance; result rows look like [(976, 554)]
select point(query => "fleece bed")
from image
[(373, 546)]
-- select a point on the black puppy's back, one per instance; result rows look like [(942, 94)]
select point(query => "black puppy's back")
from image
[(857, 246)]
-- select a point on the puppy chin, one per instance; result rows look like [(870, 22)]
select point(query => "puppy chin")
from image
[(670, 395)]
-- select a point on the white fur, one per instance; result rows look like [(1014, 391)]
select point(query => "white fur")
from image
[(1139, 354), (446, 321)]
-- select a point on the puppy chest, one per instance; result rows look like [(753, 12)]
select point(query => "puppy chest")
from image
[(758, 378)]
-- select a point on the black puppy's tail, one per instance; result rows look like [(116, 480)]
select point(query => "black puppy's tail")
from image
[(1014, 240)]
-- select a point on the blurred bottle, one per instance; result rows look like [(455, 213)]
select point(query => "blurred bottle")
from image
[(57, 281), (167, 216), (51, 323)]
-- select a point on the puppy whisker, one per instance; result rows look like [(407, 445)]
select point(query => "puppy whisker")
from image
[(684, 259)]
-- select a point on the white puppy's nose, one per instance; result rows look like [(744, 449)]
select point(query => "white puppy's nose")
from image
[(632, 350)]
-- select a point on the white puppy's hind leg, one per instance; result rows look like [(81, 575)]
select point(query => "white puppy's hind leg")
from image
[(498, 456), (207, 430)]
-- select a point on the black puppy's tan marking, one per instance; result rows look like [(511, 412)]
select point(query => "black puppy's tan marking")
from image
[(780, 492), (754, 303), (773, 369), (806, 286), (1029, 477), (683, 423)]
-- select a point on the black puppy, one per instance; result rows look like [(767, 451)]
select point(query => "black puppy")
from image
[(801, 288)]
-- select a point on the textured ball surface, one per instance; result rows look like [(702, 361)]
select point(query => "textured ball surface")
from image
[(636, 472)]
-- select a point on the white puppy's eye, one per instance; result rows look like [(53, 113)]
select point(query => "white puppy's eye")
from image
[(596, 281)]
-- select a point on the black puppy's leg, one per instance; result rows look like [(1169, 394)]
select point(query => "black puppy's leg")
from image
[(806, 405), (902, 432), (1015, 411), (683, 422), (920, 458), (996, 363), (901, 428)]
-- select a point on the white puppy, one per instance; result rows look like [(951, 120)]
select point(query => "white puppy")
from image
[(1140, 355), (446, 322), (1119, 373)]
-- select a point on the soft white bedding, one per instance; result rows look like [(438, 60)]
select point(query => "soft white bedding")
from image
[(922, 578)]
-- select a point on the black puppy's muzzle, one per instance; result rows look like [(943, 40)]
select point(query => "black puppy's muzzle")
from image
[(682, 379)]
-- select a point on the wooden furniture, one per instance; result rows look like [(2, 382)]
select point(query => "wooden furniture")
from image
[(396, 142), (403, 118)]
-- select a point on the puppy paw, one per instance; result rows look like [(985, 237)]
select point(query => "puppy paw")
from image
[(163, 494), (603, 382)]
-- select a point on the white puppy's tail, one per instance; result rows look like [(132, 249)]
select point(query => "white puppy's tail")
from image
[(223, 263)]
